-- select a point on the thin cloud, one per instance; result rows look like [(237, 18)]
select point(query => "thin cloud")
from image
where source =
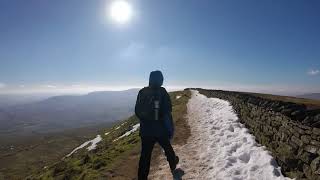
[(133, 50), (49, 86), (313, 72), (2, 85)]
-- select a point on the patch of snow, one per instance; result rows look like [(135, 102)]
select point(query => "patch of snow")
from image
[(106, 133), (177, 97), (93, 145), (219, 147), (134, 128), (79, 147)]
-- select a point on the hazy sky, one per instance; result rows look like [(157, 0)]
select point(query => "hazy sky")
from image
[(51, 45)]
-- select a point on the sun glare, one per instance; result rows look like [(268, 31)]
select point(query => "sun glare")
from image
[(120, 11)]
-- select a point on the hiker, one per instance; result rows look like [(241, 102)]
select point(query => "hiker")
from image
[(153, 108)]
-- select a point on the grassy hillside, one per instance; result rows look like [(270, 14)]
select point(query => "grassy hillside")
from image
[(21, 155), (310, 103), (113, 158)]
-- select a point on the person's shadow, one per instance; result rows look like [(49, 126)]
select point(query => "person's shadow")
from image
[(177, 174)]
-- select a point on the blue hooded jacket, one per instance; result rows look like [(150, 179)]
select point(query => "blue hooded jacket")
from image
[(163, 127), (155, 79)]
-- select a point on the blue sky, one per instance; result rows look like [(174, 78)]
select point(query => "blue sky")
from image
[(57, 45)]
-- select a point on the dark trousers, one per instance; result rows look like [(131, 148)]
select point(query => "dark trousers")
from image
[(147, 144)]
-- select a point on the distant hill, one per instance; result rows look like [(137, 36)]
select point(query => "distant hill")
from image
[(310, 96), (18, 99), (69, 111)]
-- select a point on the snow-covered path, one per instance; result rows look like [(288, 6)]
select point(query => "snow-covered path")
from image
[(220, 147)]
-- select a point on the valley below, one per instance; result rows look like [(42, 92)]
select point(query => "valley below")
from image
[(34, 135)]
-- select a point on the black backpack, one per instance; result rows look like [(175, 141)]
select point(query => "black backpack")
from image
[(148, 106)]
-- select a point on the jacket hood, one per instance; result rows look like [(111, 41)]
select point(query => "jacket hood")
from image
[(156, 79)]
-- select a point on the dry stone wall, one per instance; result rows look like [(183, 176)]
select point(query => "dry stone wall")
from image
[(290, 131)]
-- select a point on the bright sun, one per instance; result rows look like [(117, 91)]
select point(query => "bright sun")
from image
[(120, 11)]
